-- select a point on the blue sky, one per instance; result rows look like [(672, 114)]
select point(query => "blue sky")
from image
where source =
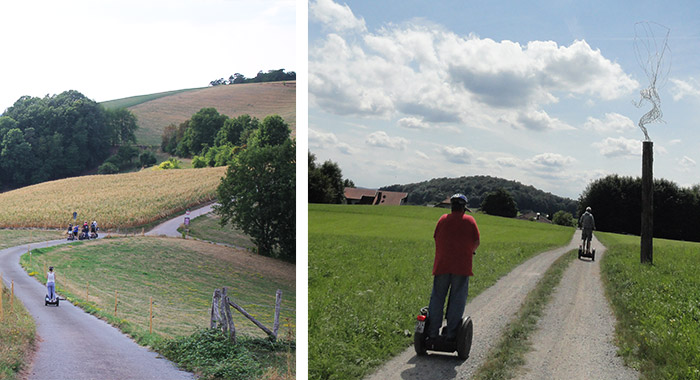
[(406, 91), (117, 48)]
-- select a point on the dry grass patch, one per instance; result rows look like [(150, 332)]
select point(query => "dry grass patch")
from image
[(255, 99)]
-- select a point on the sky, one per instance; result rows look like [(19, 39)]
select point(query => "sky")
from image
[(545, 93), (114, 49)]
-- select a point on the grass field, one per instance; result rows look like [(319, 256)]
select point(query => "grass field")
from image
[(138, 99), (115, 201), (17, 331), (255, 99), (207, 227), (13, 238), (370, 272), (180, 275), (657, 306)]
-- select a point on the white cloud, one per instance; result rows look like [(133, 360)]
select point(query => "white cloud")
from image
[(674, 142), (422, 155), (345, 148), (619, 147), (611, 123), (457, 154), (431, 77), (681, 89), (552, 161), (335, 16), (686, 163), (382, 140), (412, 123), (319, 139)]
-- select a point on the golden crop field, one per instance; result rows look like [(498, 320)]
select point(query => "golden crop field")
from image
[(115, 201)]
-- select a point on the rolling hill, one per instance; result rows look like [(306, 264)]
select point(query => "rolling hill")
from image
[(154, 112), (477, 187)]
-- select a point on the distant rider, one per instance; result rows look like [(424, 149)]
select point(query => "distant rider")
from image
[(587, 223), (456, 240), (51, 284), (93, 228)]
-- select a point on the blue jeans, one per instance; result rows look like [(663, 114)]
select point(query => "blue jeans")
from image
[(459, 289), (51, 287)]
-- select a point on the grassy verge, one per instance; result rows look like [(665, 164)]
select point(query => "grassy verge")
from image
[(180, 275), (13, 238), (17, 332), (503, 361), (207, 227), (370, 272), (657, 306)]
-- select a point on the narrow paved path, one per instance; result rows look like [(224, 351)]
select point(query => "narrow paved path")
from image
[(490, 311), (575, 336), (75, 345), (169, 228)]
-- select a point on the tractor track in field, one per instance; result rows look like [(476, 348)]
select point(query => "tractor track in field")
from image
[(574, 336), (72, 344)]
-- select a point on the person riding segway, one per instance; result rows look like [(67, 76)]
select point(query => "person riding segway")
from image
[(456, 240), (587, 223)]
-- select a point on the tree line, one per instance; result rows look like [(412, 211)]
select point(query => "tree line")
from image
[(58, 136), (269, 76), (258, 194), (616, 204)]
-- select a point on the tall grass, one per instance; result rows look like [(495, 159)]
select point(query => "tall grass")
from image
[(370, 272), (657, 306), (17, 331), (115, 201)]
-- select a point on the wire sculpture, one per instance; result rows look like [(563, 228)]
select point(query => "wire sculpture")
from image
[(650, 52)]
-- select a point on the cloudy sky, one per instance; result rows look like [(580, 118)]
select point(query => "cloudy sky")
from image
[(405, 91), (112, 49)]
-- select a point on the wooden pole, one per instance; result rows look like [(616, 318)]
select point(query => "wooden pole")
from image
[(2, 313), (150, 318), (260, 325), (215, 303), (87, 292), (278, 302), (647, 232), (229, 327), (116, 295), (12, 295)]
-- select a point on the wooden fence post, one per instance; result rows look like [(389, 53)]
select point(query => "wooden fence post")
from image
[(115, 302), (150, 318), (278, 302), (12, 295), (87, 292), (229, 327), (647, 230), (215, 302)]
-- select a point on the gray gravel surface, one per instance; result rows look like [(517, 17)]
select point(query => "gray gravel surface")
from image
[(575, 336), (75, 345), (490, 311)]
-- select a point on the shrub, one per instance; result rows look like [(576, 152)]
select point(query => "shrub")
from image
[(147, 158), (564, 218), (171, 163), (500, 203), (108, 168)]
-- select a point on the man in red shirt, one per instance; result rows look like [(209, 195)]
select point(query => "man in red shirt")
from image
[(456, 240)]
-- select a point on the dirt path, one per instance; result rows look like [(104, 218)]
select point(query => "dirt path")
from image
[(75, 345), (575, 336), (490, 312)]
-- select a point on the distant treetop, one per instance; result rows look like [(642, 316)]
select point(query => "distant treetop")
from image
[(270, 76)]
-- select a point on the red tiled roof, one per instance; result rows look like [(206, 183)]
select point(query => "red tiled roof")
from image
[(355, 193)]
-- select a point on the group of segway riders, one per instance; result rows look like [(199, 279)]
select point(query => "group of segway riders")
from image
[(89, 231)]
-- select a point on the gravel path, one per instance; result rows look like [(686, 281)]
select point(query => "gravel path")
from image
[(75, 345), (575, 336), (490, 311)]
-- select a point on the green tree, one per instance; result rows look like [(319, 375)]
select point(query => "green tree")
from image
[(122, 126), (258, 196), (147, 158), (234, 129), (14, 155), (201, 131), (499, 203), (326, 183), (273, 131)]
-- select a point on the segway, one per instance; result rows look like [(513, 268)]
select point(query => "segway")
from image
[(583, 253), (423, 342), (48, 301)]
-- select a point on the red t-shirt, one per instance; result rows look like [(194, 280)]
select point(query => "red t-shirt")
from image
[(455, 237)]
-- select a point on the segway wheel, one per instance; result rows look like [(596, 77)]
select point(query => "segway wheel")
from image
[(579, 253), (419, 344), (593, 255), (464, 338)]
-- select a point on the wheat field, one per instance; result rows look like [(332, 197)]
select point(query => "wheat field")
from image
[(115, 201)]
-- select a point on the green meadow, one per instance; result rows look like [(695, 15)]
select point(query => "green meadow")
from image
[(370, 272), (657, 306)]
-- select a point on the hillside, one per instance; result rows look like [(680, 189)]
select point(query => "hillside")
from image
[(477, 187), (156, 111), (115, 201)]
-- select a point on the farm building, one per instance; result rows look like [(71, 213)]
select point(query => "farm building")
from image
[(357, 196)]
